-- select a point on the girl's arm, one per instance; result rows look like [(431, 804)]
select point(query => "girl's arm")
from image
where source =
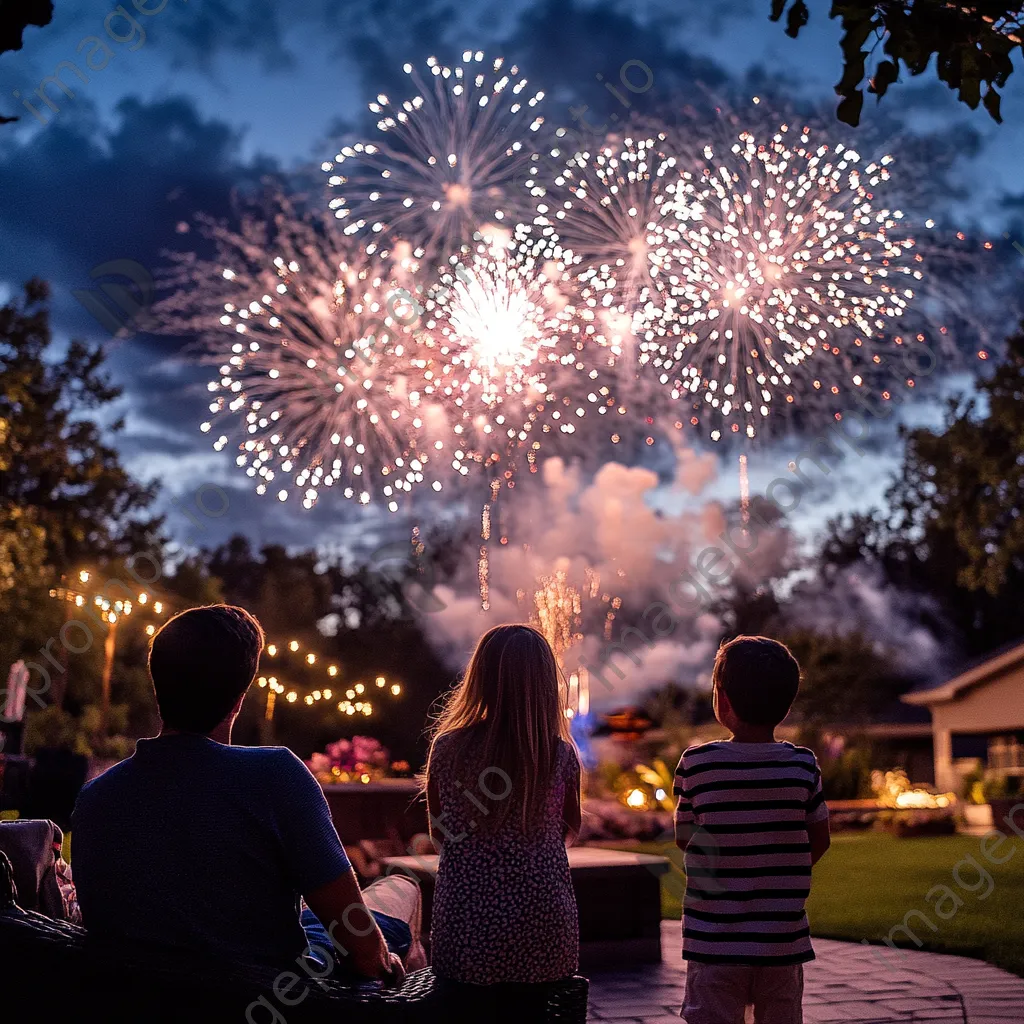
[(433, 810), (572, 813)]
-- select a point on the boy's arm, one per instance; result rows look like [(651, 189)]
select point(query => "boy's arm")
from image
[(685, 823), (817, 820), (818, 833)]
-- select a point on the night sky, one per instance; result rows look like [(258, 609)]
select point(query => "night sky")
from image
[(219, 93)]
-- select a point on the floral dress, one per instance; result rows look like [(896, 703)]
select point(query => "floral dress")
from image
[(504, 909)]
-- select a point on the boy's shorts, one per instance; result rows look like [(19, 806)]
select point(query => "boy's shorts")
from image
[(720, 993)]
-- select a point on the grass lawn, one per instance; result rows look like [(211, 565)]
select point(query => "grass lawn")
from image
[(868, 881)]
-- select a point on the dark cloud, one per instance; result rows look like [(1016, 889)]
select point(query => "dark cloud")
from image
[(77, 195)]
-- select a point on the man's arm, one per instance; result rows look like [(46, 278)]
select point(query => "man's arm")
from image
[(320, 871), (341, 910)]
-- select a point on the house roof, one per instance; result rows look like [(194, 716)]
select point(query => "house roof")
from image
[(1002, 661)]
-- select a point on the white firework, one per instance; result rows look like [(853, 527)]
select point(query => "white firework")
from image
[(787, 279), (507, 352), (316, 376), (448, 161)]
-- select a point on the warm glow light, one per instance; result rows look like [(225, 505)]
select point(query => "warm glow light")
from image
[(158, 607), (84, 575), (637, 799), (893, 789), (380, 680), (396, 689), (293, 645), (310, 659), (359, 687), (333, 670), (150, 630)]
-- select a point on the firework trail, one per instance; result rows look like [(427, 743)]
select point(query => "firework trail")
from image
[(316, 375), (447, 161)]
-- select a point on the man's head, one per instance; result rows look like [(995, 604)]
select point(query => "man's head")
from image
[(758, 678), (201, 663)]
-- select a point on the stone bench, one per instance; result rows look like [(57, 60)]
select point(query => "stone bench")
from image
[(618, 895)]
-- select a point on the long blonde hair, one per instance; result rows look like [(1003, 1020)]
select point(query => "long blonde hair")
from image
[(512, 703)]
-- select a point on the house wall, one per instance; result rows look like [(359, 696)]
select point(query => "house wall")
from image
[(993, 707)]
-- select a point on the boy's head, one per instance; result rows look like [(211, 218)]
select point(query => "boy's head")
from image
[(201, 663), (758, 678)]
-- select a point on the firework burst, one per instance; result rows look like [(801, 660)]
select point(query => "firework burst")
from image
[(314, 370), (788, 278), (613, 212), (448, 161), (506, 351)]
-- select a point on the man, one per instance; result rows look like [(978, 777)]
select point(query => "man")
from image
[(195, 843)]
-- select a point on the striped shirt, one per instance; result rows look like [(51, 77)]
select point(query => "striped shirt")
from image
[(748, 863)]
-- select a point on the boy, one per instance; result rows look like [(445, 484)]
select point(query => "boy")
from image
[(752, 821)]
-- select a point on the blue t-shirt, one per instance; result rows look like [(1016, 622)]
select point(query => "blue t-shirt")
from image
[(197, 844)]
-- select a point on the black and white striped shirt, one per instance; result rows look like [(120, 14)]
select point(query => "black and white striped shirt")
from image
[(748, 865)]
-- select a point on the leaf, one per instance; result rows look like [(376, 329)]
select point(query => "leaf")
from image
[(970, 90), (778, 6), (886, 73), (849, 108), (991, 101), (798, 17)]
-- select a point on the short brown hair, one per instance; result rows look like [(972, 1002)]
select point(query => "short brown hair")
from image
[(760, 677), (201, 662)]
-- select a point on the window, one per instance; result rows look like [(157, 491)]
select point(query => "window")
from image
[(1006, 753)]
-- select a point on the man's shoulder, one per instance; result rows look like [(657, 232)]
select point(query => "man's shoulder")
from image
[(275, 763)]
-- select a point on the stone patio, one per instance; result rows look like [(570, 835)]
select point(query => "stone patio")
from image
[(848, 982)]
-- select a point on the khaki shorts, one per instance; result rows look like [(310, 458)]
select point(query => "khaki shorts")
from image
[(721, 994)]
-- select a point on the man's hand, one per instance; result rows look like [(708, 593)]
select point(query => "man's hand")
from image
[(396, 971)]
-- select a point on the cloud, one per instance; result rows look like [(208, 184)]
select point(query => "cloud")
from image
[(78, 194), (598, 538)]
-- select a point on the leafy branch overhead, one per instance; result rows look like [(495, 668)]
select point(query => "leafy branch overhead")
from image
[(15, 17), (972, 45)]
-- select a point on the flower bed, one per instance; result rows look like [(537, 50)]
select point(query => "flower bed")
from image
[(361, 759)]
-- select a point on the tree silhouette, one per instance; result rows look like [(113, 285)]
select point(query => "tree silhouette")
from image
[(15, 17), (972, 44)]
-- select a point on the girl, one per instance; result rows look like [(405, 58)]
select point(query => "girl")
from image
[(503, 793)]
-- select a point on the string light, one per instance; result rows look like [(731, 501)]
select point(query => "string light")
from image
[(111, 610)]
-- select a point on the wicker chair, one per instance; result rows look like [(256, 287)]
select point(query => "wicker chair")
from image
[(49, 968)]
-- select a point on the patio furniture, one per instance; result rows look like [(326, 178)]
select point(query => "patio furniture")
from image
[(54, 971), (618, 895)]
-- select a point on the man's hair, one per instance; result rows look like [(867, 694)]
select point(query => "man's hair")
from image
[(201, 662), (759, 676)]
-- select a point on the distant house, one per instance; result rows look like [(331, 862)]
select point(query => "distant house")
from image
[(978, 715)]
